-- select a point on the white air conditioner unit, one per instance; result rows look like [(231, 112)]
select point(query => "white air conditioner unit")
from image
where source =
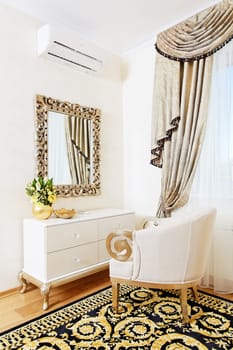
[(66, 46)]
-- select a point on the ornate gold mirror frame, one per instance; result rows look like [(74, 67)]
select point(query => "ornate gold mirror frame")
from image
[(43, 106)]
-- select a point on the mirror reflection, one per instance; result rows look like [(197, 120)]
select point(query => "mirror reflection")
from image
[(69, 149), (67, 145)]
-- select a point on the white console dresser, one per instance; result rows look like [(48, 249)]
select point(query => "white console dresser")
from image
[(59, 250)]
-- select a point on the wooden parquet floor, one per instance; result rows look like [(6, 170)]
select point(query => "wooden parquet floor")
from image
[(17, 308)]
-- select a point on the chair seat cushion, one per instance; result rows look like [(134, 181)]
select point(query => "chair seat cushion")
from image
[(121, 269)]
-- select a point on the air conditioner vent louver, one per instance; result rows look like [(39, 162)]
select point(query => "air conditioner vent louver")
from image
[(72, 62), (62, 52)]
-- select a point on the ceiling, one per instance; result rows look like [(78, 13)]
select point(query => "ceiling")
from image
[(116, 25)]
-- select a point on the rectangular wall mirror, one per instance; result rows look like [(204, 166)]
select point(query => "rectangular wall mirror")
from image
[(68, 146)]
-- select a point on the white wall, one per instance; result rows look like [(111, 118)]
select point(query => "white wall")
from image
[(22, 76), (142, 180), (128, 180)]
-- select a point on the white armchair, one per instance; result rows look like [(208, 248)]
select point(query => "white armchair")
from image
[(172, 255)]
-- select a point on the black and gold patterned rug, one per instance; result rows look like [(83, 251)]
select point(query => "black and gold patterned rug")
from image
[(148, 319)]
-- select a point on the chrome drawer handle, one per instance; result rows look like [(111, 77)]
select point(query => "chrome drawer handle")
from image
[(77, 260)]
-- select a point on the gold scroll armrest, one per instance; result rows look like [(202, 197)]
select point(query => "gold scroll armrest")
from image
[(119, 245)]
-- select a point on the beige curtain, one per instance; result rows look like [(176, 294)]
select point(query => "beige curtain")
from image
[(78, 134), (181, 95)]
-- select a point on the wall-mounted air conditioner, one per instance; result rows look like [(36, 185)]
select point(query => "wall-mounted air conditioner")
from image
[(66, 47)]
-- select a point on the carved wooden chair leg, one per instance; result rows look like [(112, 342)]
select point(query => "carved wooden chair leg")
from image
[(115, 295), (195, 292), (184, 305)]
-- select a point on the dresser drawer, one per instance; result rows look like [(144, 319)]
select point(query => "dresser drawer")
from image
[(71, 260), (102, 251), (71, 235), (108, 225)]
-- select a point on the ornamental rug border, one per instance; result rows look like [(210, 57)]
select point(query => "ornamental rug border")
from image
[(147, 319)]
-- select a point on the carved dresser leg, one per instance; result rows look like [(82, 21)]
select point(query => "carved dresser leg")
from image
[(44, 289), (23, 282)]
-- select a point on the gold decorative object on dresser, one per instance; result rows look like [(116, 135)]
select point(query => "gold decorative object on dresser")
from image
[(41, 212), (64, 213), (58, 250)]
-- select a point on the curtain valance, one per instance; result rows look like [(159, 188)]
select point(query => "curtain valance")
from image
[(200, 35)]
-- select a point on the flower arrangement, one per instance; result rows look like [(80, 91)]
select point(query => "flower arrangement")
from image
[(41, 190)]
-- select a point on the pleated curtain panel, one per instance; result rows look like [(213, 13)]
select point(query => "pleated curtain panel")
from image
[(78, 134), (183, 70)]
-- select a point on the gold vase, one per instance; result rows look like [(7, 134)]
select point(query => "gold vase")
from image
[(41, 211)]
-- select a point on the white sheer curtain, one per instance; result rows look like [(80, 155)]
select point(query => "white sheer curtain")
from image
[(58, 163), (213, 183)]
